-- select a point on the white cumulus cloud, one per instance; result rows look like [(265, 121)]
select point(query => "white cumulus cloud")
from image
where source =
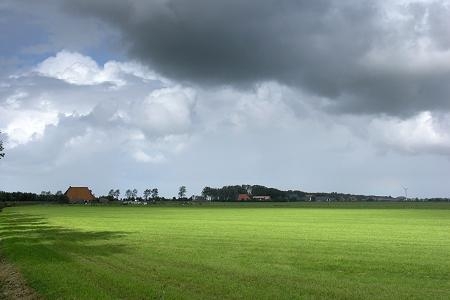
[(422, 133), (167, 110), (79, 69)]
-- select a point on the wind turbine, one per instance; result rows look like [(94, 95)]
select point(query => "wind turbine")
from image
[(406, 192)]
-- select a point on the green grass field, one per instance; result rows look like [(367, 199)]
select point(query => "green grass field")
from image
[(342, 251)]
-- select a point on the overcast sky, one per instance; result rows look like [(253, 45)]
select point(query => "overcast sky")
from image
[(323, 96)]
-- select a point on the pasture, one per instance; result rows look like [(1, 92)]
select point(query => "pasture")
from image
[(240, 251)]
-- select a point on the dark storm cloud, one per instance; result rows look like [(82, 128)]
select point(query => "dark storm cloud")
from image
[(239, 41), (320, 46)]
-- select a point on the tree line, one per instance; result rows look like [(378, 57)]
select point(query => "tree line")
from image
[(44, 196), (132, 195), (149, 194), (231, 193)]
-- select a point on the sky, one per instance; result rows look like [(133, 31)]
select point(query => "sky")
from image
[(322, 96)]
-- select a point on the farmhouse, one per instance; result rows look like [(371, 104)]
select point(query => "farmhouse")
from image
[(243, 197), (261, 198), (79, 194)]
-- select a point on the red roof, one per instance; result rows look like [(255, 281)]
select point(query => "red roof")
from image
[(243, 197), (79, 193)]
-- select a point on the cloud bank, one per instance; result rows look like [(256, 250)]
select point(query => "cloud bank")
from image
[(128, 119), (362, 56)]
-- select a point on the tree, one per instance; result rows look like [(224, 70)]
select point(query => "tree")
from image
[(114, 194), (2, 154), (134, 193), (154, 193), (182, 192), (208, 193), (117, 194), (147, 194), (128, 194), (60, 197)]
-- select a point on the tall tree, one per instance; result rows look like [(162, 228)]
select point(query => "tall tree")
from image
[(128, 194), (182, 192), (154, 193), (147, 194)]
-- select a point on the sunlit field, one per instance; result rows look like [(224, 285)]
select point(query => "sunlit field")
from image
[(248, 251)]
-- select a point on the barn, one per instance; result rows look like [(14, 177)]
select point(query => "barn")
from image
[(79, 194), (243, 197), (262, 198)]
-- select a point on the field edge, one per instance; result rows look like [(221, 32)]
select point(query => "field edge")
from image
[(12, 283)]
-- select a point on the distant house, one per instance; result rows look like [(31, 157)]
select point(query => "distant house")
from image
[(243, 197), (199, 199), (79, 194), (262, 198), (322, 199)]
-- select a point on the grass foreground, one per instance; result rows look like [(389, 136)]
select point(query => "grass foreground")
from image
[(231, 251)]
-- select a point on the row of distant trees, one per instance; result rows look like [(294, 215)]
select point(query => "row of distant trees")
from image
[(148, 194), (226, 193), (231, 192), (44, 196), (132, 194), (114, 194)]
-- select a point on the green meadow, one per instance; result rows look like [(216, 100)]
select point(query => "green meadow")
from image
[(239, 251)]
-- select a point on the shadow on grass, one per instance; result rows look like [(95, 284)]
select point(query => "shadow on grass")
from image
[(27, 237)]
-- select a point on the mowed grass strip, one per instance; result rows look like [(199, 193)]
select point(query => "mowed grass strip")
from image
[(233, 252)]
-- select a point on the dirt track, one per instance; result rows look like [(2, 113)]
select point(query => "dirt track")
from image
[(12, 284)]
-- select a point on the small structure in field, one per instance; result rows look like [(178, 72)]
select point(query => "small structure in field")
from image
[(103, 200), (243, 197), (262, 198), (199, 199), (79, 194)]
